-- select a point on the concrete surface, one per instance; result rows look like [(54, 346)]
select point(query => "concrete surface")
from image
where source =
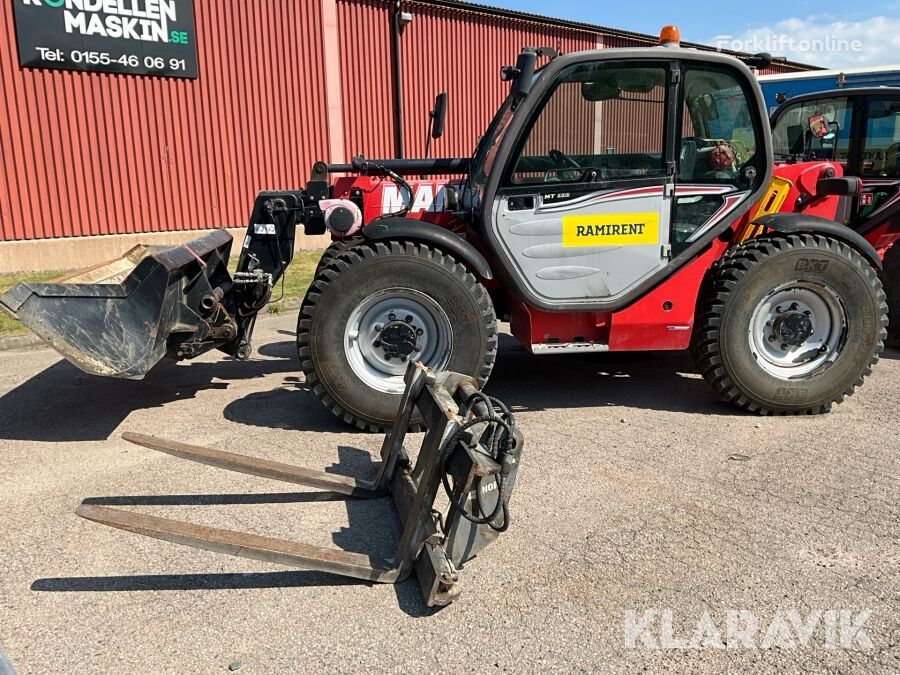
[(70, 253), (639, 492)]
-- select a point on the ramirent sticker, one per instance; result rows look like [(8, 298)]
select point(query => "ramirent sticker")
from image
[(610, 229)]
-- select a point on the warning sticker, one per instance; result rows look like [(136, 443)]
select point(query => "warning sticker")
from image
[(610, 229)]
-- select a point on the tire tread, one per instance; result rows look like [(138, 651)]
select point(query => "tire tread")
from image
[(727, 274), (353, 255)]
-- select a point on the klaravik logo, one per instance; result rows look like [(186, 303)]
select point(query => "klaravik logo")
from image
[(144, 20)]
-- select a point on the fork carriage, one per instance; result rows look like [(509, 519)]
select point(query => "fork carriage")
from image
[(468, 447)]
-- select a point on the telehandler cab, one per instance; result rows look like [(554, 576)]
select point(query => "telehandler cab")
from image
[(588, 231)]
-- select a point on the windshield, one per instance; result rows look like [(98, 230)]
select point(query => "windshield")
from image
[(486, 152), (814, 130), (485, 156)]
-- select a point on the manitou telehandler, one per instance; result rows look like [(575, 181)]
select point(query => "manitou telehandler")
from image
[(860, 130), (620, 199)]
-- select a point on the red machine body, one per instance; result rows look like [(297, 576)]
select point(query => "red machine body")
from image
[(662, 319)]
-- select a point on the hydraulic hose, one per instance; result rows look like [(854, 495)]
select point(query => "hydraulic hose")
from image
[(499, 441)]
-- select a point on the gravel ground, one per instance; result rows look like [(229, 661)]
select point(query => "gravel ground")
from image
[(640, 496)]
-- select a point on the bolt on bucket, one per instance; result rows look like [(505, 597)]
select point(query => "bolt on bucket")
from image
[(120, 318)]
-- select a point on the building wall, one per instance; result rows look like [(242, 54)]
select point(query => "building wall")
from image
[(92, 154), (100, 154)]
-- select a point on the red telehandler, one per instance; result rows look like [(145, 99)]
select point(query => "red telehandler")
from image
[(587, 232)]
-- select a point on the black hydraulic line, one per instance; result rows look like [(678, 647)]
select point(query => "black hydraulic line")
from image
[(433, 167), (498, 440)]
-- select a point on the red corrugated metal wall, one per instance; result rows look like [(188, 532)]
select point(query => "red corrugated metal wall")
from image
[(461, 52), (86, 154), (364, 34), (443, 49)]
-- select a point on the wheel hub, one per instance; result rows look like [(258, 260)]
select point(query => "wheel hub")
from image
[(399, 339), (793, 327), (797, 329), (391, 327)]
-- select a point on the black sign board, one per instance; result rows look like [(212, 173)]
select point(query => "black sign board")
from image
[(135, 37)]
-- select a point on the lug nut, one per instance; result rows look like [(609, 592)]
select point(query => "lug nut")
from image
[(771, 338), (379, 327), (376, 344), (795, 307), (420, 332), (823, 349), (784, 346), (418, 348), (778, 309), (408, 318), (807, 312), (392, 317)]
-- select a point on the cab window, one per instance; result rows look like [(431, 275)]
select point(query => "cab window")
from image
[(720, 131), (600, 122), (815, 130), (720, 144), (880, 150)]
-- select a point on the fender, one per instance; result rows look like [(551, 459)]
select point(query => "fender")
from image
[(792, 223), (409, 229)]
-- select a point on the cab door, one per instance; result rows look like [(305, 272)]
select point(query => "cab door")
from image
[(583, 210), (721, 163)]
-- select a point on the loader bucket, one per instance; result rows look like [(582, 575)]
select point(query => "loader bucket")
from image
[(115, 319)]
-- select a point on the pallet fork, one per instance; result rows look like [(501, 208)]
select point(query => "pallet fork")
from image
[(468, 447)]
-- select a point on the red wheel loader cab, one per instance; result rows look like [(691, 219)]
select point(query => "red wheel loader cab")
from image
[(620, 199)]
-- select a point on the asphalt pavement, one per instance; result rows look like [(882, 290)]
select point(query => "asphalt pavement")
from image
[(654, 528)]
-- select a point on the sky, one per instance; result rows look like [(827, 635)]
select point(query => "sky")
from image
[(829, 33)]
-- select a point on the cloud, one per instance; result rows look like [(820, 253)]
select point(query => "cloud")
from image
[(823, 40)]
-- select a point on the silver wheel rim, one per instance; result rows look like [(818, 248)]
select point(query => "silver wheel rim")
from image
[(384, 324), (783, 343)]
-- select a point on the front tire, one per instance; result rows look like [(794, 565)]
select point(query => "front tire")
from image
[(375, 307), (790, 324), (334, 249)]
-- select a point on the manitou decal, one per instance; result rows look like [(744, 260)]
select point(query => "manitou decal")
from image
[(427, 197), (614, 229), (137, 37)]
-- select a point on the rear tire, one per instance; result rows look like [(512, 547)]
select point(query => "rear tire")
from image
[(790, 324), (892, 289), (378, 305)]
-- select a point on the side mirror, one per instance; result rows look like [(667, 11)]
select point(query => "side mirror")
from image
[(841, 187), (436, 118), (818, 126), (760, 60), (439, 115), (525, 64)]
